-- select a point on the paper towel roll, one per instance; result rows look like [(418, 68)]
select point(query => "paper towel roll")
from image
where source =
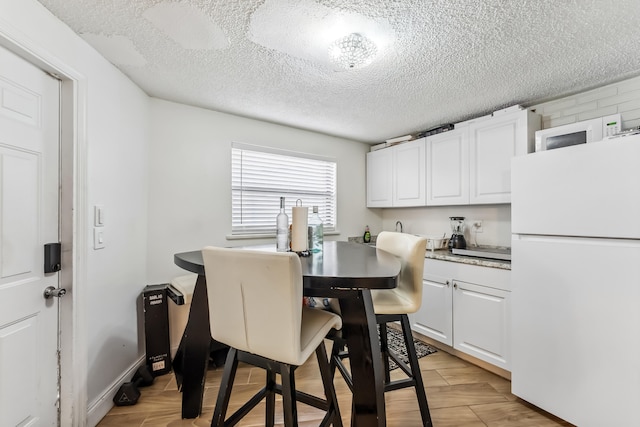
[(299, 232)]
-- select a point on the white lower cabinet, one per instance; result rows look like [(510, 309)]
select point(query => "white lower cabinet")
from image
[(481, 319), (466, 307), (435, 317)]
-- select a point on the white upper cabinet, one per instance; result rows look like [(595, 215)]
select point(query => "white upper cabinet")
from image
[(470, 164), (379, 178), (396, 175), (492, 145), (448, 168), (409, 175)]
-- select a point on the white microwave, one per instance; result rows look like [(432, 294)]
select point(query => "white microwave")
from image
[(578, 133)]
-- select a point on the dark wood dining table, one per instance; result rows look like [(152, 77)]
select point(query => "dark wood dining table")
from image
[(343, 270)]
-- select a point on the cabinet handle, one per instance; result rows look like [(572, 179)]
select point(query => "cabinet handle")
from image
[(447, 283), (455, 285)]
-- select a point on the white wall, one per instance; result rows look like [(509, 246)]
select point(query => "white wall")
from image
[(190, 179), (434, 221), (118, 179), (622, 97), (117, 168)]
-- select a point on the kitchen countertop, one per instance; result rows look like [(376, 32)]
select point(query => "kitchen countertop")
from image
[(445, 255)]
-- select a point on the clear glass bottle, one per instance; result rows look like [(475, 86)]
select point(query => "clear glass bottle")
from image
[(316, 232), (282, 229)]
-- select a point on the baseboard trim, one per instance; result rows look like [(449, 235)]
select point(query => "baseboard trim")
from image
[(464, 356), (101, 406)]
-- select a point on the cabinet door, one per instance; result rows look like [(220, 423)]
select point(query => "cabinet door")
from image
[(448, 168), (492, 145), (379, 178), (571, 294), (434, 319), (481, 322), (409, 174)]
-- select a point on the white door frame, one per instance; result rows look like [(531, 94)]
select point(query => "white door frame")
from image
[(73, 220)]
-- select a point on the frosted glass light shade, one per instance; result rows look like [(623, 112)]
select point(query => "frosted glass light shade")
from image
[(352, 51)]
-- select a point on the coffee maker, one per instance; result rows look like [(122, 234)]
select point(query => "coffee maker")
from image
[(457, 240)]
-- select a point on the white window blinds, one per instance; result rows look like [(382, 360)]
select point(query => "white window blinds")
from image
[(260, 176)]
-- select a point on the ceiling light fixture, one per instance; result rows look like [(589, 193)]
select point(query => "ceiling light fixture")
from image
[(352, 51)]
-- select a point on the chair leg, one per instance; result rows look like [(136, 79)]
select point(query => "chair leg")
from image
[(226, 384), (329, 390), (384, 349), (335, 362), (336, 348), (288, 395), (415, 371), (270, 399)]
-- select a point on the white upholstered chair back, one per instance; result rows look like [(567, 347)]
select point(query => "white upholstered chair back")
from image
[(394, 305), (407, 296), (255, 301)]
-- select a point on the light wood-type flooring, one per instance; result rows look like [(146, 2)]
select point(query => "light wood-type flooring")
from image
[(459, 394)]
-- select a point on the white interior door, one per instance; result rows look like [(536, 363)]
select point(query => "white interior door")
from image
[(29, 182)]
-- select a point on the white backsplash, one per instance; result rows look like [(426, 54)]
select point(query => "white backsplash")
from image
[(434, 221)]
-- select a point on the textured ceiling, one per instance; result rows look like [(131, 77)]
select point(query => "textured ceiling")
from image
[(437, 62)]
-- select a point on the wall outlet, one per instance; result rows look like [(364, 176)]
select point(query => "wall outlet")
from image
[(477, 226)]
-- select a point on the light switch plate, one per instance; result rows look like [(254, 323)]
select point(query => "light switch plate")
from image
[(98, 215), (98, 238)]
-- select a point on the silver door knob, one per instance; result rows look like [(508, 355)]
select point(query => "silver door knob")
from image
[(54, 292)]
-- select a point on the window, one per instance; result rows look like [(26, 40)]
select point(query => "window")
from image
[(260, 176)]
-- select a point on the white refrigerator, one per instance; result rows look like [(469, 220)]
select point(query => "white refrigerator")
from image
[(576, 281)]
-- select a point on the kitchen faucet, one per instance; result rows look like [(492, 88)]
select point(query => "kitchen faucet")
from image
[(400, 224)]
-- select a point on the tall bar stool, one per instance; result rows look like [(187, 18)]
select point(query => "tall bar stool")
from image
[(393, 305), (255, 307)]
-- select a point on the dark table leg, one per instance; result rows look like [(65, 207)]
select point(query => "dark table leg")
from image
[(192, 358), (365, 359)]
